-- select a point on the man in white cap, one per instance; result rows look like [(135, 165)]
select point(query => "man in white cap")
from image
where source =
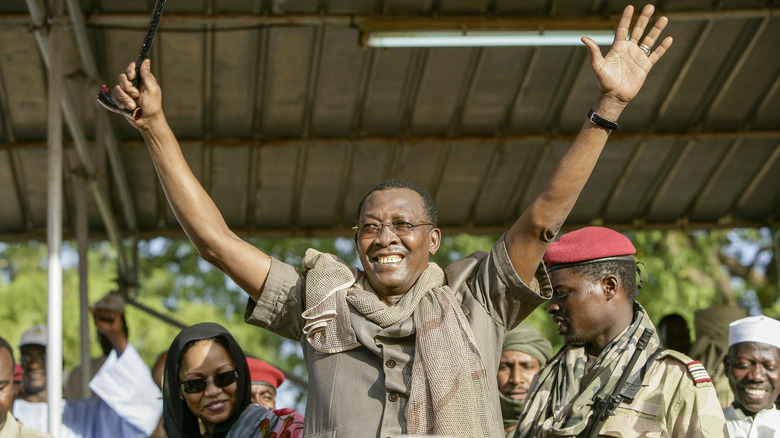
[(753, 368), (108, 313), (9, 427), (128, 403), (32, 408)]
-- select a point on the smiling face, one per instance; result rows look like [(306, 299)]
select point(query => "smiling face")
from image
[(204, 360), (33, 360), (392, 263), (753, 369), (516, 371)]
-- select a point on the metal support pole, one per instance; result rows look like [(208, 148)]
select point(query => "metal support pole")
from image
[(54, 220), (82, 230), (776, 249)]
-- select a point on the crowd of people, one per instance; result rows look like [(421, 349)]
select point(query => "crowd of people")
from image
[(209, 387), (404, 347)]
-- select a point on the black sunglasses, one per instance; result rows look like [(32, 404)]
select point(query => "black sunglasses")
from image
[(195, 386)]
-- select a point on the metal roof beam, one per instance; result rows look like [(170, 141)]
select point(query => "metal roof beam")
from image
[(411, 89), (475, 63), (754, 182), (367, 68), (177, 233), (339, 141), (705, 190), (182, 21), (624, 177), (79, 140), (312, 81), (674, 88), (732, 66), (518, 92), (664, 180), (88, 61)]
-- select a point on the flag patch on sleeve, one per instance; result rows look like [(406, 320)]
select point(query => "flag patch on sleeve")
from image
[(698, 372)]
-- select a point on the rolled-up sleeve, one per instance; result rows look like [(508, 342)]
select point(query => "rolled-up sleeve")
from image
[(493, 282), (281, 303)]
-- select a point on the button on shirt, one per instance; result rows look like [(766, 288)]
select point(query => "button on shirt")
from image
[(363, 392), (765, 424)]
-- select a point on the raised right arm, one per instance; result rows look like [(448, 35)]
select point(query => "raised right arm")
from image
[(195, 210)]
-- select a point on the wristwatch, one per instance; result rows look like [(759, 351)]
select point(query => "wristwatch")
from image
[(597, 120)]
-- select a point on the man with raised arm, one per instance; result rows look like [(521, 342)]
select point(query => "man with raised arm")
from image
[(402, 346)]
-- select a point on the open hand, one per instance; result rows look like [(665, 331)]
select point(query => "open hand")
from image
[(621, 73)]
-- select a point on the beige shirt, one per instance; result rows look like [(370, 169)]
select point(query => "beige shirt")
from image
[(363, 392), (669, 404), (12, 429)]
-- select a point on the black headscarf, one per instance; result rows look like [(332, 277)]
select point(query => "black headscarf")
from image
[(179, 421)]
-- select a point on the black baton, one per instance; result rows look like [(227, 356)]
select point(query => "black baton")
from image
[(104, 96)]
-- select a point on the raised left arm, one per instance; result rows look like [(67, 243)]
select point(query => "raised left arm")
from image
[(620, 75)]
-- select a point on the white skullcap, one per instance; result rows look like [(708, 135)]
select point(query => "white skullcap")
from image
[(755, 329)]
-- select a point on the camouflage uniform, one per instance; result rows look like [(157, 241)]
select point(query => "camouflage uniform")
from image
[(676, 398), (670, 404)]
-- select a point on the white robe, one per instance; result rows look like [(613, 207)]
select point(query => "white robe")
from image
[(129, 404), (765, 424)]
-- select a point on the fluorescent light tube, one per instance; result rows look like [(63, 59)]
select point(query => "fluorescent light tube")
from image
[(477, 38)]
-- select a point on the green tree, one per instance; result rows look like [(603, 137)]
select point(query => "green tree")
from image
[(687, 271)]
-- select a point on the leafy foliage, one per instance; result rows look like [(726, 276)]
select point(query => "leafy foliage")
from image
[(688, 271)]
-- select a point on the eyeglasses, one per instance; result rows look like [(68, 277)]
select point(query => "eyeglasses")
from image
[(222, 380), (400, 228)]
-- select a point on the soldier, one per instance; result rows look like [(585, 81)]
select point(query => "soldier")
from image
[(753, 368), (266, 379), (612, 354)]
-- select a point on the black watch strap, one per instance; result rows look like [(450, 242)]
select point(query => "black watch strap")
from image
[(597, 120)]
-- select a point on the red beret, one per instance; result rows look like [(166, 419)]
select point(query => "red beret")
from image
[(260, 371), (587, 244), (18, 372)]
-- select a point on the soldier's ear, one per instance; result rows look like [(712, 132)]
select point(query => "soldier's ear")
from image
[(609, 285)]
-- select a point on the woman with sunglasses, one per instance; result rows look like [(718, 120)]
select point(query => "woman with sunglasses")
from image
[(207, 383)]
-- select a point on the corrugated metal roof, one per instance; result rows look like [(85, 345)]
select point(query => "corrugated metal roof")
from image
[(287, 120)]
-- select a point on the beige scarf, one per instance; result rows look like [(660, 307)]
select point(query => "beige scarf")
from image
[(449, 386)]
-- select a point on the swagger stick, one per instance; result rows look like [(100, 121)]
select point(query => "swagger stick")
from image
[(104, 96)]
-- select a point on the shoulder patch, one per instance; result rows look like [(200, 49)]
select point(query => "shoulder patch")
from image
[(698, 372), (695, 368)]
